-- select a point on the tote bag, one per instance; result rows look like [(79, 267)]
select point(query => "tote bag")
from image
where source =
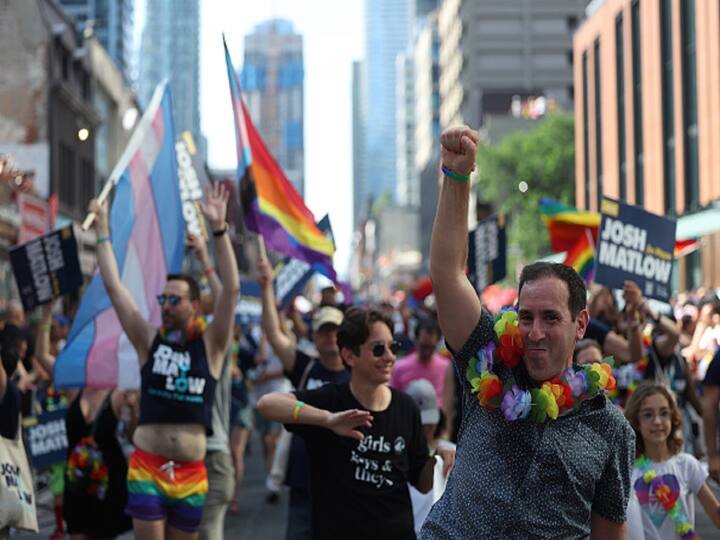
[(17, 496)]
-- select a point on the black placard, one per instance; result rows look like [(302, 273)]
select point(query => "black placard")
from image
[(46, 267)]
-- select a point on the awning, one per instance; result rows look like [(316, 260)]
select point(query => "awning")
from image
[(701, 223)]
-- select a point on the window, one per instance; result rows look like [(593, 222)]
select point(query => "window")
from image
[(689, 75), (693, 270), (620, 78), (87, 180), (637, 105), (598, 126), (668, 109), (586, 131), (66, 179)]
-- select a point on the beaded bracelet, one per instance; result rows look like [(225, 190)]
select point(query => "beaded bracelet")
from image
[(296, 410), (455, 176)]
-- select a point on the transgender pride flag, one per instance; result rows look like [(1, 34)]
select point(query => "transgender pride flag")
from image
[(148, 238)]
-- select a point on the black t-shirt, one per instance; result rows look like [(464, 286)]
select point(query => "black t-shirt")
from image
[(712, 376), (297, 471), (10, 411), (359, 488)]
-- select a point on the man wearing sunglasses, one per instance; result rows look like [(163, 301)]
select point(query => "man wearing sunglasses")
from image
[(365, 440), (179, 366)]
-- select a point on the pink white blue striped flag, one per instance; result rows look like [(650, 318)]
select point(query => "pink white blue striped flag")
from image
[(148, 238)]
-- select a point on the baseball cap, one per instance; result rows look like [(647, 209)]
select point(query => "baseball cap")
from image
[(423, 393), (327, 315)]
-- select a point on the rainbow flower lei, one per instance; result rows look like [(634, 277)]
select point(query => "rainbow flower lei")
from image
[(194, 331), (553, 398), (86, 471), (665, 497)]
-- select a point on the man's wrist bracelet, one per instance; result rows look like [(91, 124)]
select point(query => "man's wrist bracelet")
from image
[(296, 411), (102, 239), (222, 231), (455, 176)]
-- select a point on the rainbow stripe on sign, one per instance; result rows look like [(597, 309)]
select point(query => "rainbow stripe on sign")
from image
[(271, 205), (148, 238)]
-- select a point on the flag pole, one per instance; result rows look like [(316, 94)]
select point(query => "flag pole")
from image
[(261, 247), (100, 199), (135, 140)]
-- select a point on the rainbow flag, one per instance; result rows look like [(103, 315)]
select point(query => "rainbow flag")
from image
[(582, 257), (148, 239), (271, 205), (566, 224)]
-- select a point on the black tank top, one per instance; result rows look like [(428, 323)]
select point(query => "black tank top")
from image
[(177, 387)]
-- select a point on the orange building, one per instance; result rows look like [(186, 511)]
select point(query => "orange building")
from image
[(647, 109)]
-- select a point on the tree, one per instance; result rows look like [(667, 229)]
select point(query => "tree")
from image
[(543, 158)]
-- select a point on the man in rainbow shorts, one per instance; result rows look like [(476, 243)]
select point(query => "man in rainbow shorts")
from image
[(542, 453), (179, 366)]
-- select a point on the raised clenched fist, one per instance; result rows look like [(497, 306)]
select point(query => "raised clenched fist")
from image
[(458, 148)]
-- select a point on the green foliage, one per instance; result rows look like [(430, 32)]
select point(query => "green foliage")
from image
[(544, 157)]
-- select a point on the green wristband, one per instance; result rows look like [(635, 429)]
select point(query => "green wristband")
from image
[(102, 239), (455, 176)]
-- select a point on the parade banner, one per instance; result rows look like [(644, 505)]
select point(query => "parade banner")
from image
[(635, 245), (291, 279), (46, 267), (248, 309), (193, 183), (46, 438), (487, 253), (148, 238)]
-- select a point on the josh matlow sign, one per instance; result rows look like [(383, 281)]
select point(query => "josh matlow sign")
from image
[(46, 267), (635, 245)]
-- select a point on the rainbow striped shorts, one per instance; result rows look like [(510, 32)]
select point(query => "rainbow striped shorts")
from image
[(162, 489)]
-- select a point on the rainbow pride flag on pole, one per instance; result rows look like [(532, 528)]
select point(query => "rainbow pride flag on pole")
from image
[(566, 224), (271, 205), (582, 257), (148, 238)]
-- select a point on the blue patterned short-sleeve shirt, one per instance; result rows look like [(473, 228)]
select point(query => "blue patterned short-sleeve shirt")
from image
[(526, 480)]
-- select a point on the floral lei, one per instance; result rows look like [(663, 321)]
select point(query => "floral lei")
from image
[(554, 397), (194, 330), (86, 468), (665, 498)]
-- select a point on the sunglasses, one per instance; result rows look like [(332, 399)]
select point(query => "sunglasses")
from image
[(379, 348), (172, 299)]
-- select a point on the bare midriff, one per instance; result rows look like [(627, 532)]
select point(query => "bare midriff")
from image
[(179, 442)]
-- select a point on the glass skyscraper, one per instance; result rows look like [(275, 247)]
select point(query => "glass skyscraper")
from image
[(388, 28), (112, 23), (272, 80), (170, 49)]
